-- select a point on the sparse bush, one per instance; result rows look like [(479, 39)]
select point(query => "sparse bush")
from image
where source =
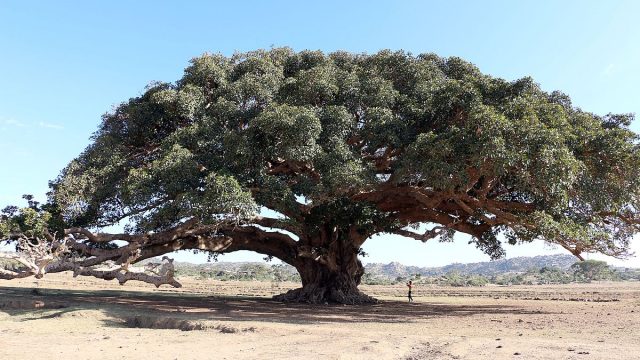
[(239, 272), (589, 270), (476, 280), (627, 274), (455, 278), (370, 279)]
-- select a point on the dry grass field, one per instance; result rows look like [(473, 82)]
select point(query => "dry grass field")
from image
[(64, 318)]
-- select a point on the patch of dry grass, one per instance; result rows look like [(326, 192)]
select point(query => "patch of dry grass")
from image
[(157, 322)]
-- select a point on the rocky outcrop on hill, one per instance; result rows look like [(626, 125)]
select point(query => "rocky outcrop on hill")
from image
[(518, 264)]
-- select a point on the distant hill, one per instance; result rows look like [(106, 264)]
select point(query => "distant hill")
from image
[(395, 269), (548, 269), (519, 264), (239, 271)]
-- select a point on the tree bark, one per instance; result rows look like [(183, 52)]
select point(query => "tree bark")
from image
[(330, 273)]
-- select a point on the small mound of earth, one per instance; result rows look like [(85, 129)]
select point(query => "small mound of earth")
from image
[(225, 329), (156, 322), (83, 314), (23, 304)]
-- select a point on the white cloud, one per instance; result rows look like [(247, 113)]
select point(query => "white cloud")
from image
[(13, 122), (10, 122), (50, 126)]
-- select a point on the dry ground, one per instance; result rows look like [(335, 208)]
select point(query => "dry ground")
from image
[(66, 318)]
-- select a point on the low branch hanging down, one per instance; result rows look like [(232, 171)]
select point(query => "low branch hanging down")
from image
[(85, 253), (36, 258)]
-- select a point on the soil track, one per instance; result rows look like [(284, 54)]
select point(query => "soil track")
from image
[(60, 317)]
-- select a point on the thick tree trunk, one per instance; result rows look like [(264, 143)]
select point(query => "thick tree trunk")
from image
[(320, 285), (330, 274)]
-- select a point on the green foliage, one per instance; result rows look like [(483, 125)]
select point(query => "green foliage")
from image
[(544, 275), (287, 132), (458, 279), (372, 279), (627, 274), (344, 213), (268, 127), (31, 221), (553, 275), (239, 272), (539, 270), (590, 270)]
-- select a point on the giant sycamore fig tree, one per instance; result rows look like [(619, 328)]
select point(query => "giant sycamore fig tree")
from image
[(303, 156)]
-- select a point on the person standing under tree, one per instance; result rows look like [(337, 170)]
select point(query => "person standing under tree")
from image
[(410, 285)]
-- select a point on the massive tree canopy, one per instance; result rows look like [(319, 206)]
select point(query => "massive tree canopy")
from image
[(340, 147)]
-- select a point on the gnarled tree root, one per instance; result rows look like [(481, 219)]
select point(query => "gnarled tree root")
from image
[(313, 294)]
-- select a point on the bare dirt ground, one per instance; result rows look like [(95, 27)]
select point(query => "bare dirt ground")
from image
[(59, 317)]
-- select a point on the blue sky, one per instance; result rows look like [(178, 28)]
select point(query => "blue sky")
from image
[(65, 63)]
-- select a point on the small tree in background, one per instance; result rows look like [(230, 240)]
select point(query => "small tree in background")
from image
[(589, 270), (553, 275)]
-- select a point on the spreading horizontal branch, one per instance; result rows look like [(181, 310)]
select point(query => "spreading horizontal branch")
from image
[(102, 237), (80, 250), (424, 237), (456, 210), (277, 224)]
